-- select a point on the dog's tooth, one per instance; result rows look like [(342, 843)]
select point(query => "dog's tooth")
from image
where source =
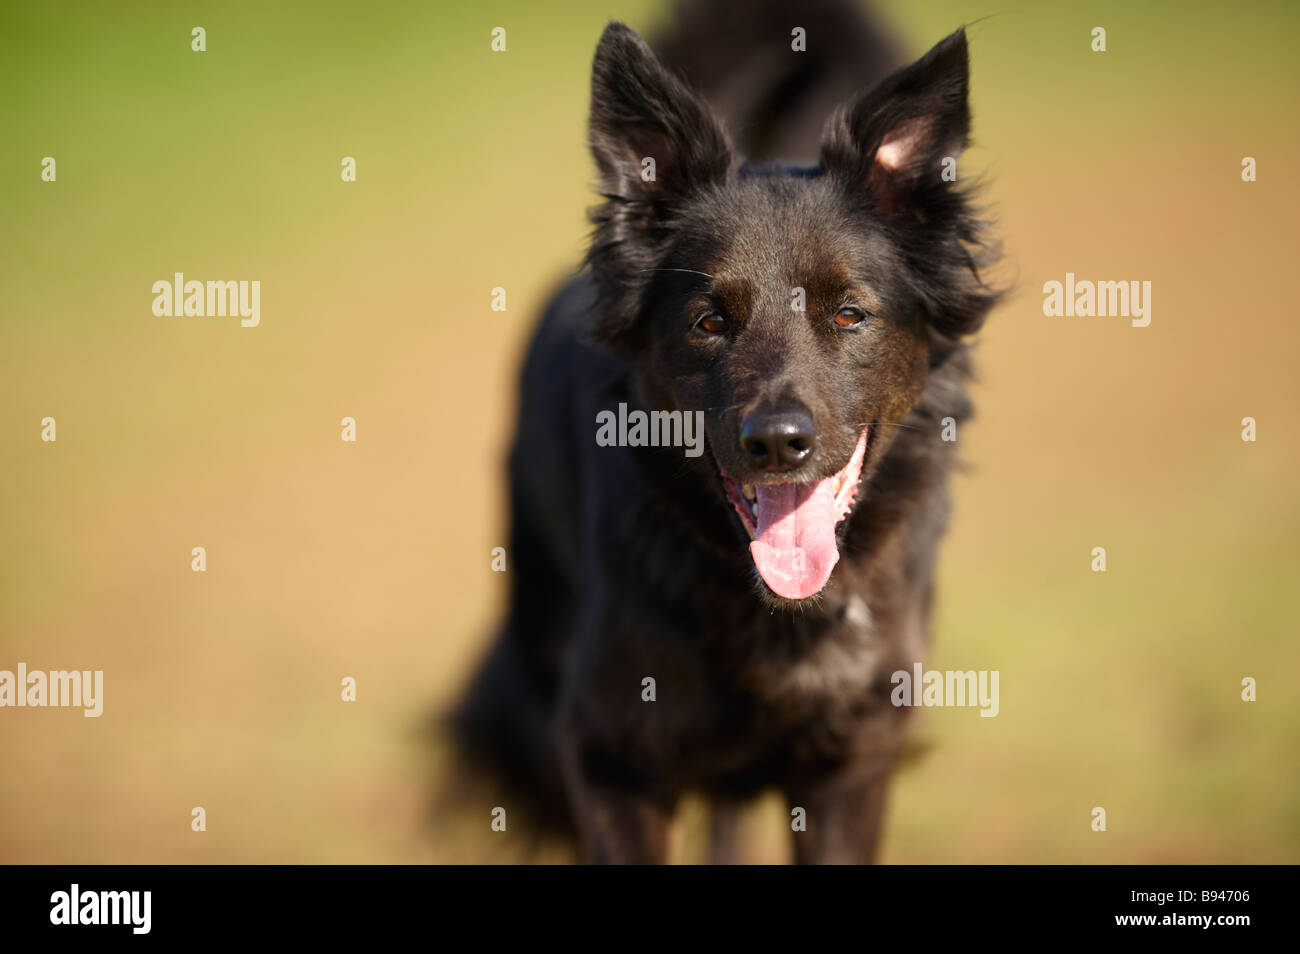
[(748, 491)]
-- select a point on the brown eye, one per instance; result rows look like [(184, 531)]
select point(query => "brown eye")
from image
[(848, 317), (712, 323)]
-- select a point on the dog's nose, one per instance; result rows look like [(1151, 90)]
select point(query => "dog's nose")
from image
[(778, 440)]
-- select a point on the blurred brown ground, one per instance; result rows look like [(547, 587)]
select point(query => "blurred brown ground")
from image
[(371, 560)]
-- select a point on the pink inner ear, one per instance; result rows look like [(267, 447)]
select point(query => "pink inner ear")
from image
[(890, 155), (902, 145)]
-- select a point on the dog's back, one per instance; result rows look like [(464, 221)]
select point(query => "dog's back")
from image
[(736, 53)]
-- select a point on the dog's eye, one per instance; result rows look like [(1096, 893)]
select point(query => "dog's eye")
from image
[(848, 317), (711, 323)]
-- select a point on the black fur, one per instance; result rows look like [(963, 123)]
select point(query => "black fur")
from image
[(630, 562)]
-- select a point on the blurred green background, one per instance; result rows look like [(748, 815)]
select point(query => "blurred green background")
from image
[(371, 560)]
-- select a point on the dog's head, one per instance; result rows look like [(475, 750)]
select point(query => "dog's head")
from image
[(801, 309)]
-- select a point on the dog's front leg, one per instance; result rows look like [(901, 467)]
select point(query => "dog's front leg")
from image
[(725, 834), (622, 828), (843, 816), (618, 825)]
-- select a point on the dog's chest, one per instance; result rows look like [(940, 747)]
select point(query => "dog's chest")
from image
[(834, 669)]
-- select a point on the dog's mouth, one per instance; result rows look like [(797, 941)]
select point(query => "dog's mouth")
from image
[(792, 525)]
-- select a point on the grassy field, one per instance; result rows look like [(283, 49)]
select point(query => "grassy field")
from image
[(371, 560)]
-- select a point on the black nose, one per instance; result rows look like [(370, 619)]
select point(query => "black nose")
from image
[(778, 440)]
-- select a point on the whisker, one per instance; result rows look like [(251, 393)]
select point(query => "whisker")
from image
[(910, 427), (688, 271)]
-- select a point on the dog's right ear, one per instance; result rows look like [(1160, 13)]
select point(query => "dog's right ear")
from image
[(655, 143), (640, 111)]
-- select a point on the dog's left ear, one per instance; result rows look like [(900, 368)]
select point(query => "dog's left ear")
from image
[(892, 140)]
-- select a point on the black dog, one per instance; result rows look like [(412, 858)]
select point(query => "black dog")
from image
[(770, 586)]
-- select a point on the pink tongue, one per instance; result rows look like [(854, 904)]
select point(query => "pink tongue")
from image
[(794, 548)]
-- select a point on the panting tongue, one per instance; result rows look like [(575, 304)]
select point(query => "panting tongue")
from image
[(794, 548)]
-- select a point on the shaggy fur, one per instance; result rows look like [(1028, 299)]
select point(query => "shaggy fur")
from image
[(628, 562)]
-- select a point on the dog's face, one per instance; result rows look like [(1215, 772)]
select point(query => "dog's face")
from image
[(798, 308)]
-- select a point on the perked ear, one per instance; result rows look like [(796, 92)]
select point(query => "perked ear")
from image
[(654, 140), (892, 140), (655, 143)]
